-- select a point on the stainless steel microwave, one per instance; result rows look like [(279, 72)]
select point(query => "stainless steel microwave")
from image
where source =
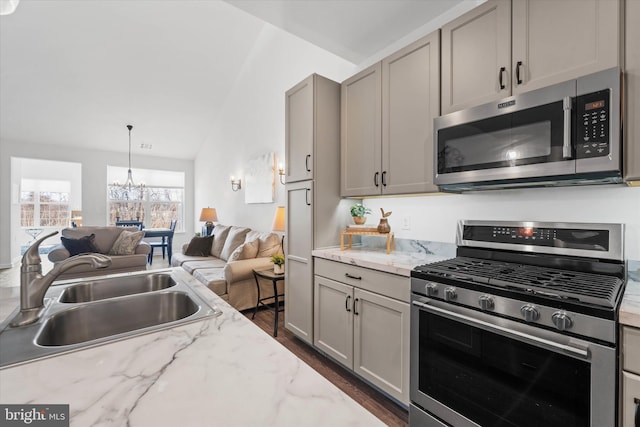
[(565, 134)]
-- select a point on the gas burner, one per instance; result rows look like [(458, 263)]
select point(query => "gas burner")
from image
[(587, 288)]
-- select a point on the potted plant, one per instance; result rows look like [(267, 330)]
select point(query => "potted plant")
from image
[(358, 212), (278, 263)]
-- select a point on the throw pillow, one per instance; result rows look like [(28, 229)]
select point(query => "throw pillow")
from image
[(126, 243), (219, 236), (235, 238), (247, 250), (199, 246), (80, 246), (269, 245)]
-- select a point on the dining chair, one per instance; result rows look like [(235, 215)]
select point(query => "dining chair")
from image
[(166, 243)]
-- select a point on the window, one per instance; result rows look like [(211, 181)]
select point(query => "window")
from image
[(44, 208), (160, 202), (44, 203)]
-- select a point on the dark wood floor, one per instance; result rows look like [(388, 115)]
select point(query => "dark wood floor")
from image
[(375, 402)]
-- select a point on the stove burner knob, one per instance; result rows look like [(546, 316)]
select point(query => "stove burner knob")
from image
[(486, 302), (432, 289), (450, 294), (561, 320), (530, 313)]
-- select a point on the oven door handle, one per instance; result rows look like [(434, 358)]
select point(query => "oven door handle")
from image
[(579, 352)]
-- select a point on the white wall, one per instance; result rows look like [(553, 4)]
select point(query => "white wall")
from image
[(435, 217), (252, 124), (94, 185)]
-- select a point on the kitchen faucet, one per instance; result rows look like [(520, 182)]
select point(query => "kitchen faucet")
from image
[(33, 285)]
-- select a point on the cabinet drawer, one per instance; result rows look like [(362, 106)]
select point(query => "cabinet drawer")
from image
[(387, 284), (630, 398), (631, 349)]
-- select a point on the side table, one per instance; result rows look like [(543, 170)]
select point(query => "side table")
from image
[(268, 274)]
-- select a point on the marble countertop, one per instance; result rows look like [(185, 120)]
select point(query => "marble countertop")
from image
[(221, 371), (630, 307), (400, 263)]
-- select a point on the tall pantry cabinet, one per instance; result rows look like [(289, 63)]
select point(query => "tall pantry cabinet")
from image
[(315, 214)]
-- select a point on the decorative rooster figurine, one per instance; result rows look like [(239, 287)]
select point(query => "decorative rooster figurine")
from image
[(384, 227)]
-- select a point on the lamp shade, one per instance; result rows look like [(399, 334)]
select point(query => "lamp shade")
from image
[(208, 215), (278, 219)]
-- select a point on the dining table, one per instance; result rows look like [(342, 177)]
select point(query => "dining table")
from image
[(165, 233)]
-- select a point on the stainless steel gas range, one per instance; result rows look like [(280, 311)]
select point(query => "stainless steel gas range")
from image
[(520, 329)]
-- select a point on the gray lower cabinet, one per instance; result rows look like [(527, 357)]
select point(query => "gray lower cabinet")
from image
[(362, 326), (630, 382)]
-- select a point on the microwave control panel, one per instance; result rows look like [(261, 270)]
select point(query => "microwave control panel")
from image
[(592, 117)]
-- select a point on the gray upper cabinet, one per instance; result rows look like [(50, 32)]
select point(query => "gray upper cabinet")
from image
[(410, 102), (299, 125), (476, 53), (505, 47), (387, 123), (361, 114), (632, 82), (554, 41)]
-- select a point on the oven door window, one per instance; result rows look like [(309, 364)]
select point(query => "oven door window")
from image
[(497, 381), (531, 136)]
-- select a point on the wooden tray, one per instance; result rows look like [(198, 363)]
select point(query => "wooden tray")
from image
[(391, 242)]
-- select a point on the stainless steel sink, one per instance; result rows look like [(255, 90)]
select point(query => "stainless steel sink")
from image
[(87, 313), (115, 316), (116, 287)]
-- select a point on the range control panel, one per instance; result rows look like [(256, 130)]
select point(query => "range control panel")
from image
[(592, 130), (589, 239)]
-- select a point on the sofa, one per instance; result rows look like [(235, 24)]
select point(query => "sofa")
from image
[(226, 266), (131, 253)]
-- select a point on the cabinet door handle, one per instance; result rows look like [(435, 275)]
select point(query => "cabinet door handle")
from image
[(636, 417), (352, 277), (375, 178), (500, 74), (518, 66), (306, 196), (306, 162), (355, 306), (384, 178), (346, 303)]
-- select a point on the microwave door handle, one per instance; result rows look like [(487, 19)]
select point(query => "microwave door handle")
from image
[(566, 143), (505, 332)]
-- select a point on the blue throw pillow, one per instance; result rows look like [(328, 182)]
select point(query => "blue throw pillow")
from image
[(80, 246)]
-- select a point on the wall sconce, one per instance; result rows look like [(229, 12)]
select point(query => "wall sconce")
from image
[(281, 173), (236, 184)]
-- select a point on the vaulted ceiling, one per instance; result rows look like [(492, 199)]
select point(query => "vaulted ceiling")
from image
[(75, 72)]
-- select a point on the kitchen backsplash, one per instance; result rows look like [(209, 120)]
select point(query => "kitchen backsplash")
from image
[(411, 245)]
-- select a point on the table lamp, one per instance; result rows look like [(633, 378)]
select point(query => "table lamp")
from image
[(278, 222), (208, 215)]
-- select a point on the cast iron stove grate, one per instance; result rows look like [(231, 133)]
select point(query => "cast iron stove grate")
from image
[(588, 288)]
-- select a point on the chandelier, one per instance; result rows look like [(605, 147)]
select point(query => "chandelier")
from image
[(129, 190)]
